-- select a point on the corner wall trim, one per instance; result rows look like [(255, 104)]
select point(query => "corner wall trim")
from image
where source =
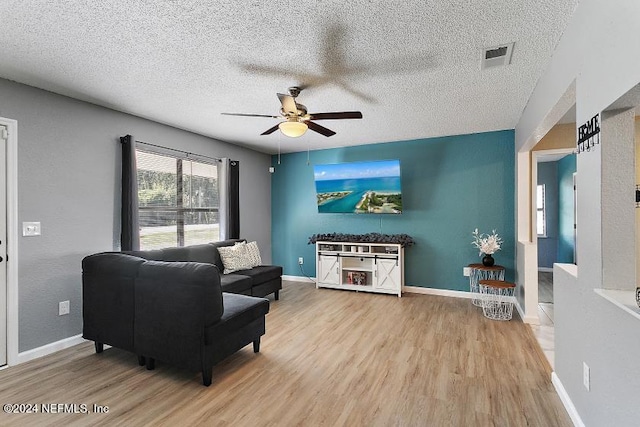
[(566, 401), (47, 349)]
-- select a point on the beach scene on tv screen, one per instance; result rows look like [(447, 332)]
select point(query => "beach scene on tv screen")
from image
[(359, 187)]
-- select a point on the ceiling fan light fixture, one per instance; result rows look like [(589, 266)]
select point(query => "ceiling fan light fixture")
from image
[(293, 129)]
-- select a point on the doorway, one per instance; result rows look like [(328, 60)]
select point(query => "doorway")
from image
[(555, 226)]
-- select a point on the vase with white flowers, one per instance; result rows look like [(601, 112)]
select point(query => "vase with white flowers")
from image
[(487, 244)]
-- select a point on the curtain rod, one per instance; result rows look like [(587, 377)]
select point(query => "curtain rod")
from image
[(179, 151)]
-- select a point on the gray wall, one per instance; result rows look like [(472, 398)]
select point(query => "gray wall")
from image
[(594, 51), (69, 178)]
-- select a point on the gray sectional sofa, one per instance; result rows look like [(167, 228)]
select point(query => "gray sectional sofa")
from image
[(173, 305), (258, 281)]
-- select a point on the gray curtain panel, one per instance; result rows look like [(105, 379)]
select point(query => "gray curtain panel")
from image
[(129, 230), (229, 183), (234, 199)]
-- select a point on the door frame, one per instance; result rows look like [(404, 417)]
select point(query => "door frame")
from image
[(12, 240), (533, 286)]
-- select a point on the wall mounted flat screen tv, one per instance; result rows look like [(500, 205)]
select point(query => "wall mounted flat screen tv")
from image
[(359, 187)]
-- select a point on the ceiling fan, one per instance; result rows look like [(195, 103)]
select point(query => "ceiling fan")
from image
[(297, 119)]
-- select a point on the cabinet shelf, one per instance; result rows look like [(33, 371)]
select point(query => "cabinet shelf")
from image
[(367, 267)]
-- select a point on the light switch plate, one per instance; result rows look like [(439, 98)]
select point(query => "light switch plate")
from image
[(30, 229)]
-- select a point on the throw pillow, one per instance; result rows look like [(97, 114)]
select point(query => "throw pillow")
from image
[(253, 253), (234, 257)]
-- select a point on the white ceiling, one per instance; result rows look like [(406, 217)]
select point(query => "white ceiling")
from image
[(411, 67)]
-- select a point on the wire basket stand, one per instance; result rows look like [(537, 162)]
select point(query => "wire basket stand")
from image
[(497, 299), (480, 272)]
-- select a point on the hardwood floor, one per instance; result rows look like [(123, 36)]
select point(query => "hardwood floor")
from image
[(329, 357), (545, 287)]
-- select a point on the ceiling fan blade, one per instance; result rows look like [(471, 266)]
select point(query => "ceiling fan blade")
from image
[(288, 104), (336, 115), (270, 130), (320, 129), (250, 115)]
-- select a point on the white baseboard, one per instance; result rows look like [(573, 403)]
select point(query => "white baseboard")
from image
[(532, 320), (45, 350), (566, 401), (435, 291), (546, 269), (432, 291), (299, 279)]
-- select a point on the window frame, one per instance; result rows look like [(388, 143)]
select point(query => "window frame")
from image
[(179, 207)]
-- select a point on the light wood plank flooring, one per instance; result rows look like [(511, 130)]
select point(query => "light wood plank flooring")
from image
[(329, 357)]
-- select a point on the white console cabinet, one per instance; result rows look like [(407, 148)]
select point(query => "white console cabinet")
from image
[(368, 267)]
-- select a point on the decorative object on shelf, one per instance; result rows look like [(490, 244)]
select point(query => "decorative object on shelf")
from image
[(488, 260), (638, 296), (487, 244), (403, 240)]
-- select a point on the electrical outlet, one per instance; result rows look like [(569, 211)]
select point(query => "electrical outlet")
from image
[(300, 260), (466, 271), (586, 376), (31, 229), (63, 308)]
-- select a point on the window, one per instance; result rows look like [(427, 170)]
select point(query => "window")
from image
[(541, 217), (178, 201)]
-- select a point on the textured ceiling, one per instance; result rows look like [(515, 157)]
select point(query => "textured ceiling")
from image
[(411, 67)]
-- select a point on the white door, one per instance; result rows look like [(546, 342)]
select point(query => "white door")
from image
[(388, 274), (328, 269), (3, 245)]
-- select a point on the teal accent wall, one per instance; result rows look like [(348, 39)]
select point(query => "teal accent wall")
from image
[(566, 238), (450, 186), (548, 246)]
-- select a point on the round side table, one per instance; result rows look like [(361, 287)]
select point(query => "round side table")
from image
[(482, 272), (496, 298)]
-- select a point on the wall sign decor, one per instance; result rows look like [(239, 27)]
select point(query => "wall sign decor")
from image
[(589, 134)]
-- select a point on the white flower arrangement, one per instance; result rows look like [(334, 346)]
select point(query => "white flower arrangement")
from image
[(486, 243)]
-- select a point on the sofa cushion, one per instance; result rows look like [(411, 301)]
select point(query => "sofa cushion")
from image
[(195, 253), (239, 310), (261, 273), (108, 283), (253, 253), (178, 285), (235, 257), (150, 255), (236, 283), (222, 243)]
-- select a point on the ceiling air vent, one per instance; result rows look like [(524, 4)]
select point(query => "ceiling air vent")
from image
[(497, 56)]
